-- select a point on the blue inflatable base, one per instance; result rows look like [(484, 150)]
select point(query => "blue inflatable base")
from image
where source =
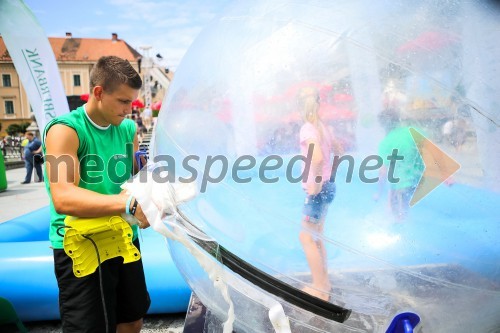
[(29, 283)]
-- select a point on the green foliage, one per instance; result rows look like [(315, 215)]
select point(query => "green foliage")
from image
[(24, 126), (14, 129)]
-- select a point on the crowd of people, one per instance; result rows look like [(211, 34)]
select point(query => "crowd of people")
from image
[(143, 120), (28, 149), (11, 145)]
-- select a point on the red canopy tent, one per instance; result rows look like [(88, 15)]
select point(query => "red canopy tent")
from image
[(84, 97), (428, 41), (329, 112), (138, 103), (156, 106)]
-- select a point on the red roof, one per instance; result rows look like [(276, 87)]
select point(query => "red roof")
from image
[(83, 49)]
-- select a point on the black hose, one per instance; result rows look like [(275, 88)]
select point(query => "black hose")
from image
[(100, 274), (100, 282)]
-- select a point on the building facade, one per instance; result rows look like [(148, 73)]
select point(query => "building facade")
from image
[(75, 58)]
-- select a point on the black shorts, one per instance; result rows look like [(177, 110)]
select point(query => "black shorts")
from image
[(80, 301)]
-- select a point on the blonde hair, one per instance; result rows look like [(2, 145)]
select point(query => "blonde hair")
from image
[(308, 102)]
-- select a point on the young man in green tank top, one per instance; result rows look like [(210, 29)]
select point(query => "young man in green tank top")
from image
[(89, 154)]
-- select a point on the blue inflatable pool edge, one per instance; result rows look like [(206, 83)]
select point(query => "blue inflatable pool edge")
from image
[(29, 283)]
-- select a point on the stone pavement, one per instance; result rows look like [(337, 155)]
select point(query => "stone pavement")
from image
[(21, 199)]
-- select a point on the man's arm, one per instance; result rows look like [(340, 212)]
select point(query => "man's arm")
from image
[(39, 149), (63, 172), (136, 148), (139, 214)]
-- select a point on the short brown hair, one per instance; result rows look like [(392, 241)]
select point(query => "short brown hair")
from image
[(111, 71)]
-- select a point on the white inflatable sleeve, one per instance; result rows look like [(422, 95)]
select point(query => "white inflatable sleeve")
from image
[(159, 201)]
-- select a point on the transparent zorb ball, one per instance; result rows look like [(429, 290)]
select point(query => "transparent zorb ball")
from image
[(231, 123)]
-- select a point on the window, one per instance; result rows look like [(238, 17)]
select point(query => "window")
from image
[(6, 80), (9, 107), (76, 80)]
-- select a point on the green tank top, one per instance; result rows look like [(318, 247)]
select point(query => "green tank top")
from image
[(411, 167), (106, 160)]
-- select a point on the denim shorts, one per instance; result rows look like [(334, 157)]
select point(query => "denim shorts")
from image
[(316, 206)]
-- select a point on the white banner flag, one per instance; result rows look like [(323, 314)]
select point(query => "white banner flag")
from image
[(34, 60)]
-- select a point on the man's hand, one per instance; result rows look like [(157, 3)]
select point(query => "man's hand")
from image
[(139, 215)]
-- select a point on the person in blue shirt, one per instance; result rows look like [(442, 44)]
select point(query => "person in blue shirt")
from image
[(30, 150)]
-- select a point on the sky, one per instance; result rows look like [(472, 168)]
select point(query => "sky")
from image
[(168, 26)]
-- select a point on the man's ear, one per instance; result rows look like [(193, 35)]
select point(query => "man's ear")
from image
[(97, 92)]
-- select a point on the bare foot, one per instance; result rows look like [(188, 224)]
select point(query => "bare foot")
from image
[(325, 296)]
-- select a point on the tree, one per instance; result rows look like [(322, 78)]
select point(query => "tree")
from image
[(13, 129), (24, 126)]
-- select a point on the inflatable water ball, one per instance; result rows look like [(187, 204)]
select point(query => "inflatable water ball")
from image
[(402, 88)]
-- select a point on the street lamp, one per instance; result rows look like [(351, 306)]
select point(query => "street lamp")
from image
[(146, 64)]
